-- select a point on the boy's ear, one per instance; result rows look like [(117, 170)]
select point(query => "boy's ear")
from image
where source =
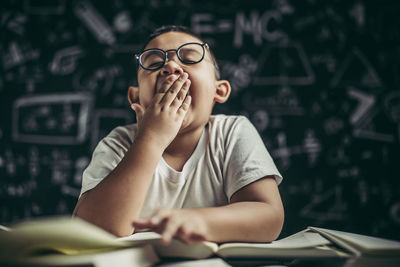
[(133, 94), (223, 90)]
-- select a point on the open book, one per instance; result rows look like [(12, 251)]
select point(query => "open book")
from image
[(76, 237), (303, 244), (312, 242)]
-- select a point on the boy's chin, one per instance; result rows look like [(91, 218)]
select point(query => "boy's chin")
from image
[(185, 123)]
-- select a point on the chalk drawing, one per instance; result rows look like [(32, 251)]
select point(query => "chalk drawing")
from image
[(284, 64), (48, 119)]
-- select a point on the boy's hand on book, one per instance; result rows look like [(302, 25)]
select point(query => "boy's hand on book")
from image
[(162, 118), (184, 224)]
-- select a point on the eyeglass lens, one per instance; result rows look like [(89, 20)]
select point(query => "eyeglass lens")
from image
[(190, 53)]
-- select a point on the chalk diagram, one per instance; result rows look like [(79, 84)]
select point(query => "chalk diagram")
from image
[(61, 118), (284, 64)]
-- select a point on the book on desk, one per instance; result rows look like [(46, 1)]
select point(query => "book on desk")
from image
[(64, 240)]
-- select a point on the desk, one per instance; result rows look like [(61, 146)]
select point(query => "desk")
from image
[(217, 262), (325, 262)]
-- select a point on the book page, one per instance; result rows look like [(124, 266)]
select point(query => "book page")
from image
[(303, 239), (4, 228), (61, 234), (126, 257), (178, 249), (141, 238), (362, 243), (213, 262), (304, 244)]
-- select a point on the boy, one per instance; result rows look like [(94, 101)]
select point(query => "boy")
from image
[(180, 171)]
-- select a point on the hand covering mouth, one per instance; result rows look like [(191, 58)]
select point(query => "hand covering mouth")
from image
[(162, 79)]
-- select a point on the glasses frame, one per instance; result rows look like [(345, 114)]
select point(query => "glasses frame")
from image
[(165, 52)]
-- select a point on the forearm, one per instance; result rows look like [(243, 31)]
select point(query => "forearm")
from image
[(116, 201), (243, 222)]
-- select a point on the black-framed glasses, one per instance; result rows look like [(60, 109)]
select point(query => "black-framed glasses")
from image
[(154, 58)]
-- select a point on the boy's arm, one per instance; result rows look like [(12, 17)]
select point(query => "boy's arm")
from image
[(117, 200), (255, 215)]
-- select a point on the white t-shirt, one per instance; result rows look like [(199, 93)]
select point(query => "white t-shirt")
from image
[(230, 155)]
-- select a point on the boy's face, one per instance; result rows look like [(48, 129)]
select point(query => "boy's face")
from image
[(204, 88)]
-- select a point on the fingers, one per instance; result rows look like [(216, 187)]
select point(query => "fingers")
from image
[(172, 224), (153, 222), (185, 105), (166, 85), (177, 92), (189, 236), (164, 223), (182, 93), (171, 229), (141, 224)]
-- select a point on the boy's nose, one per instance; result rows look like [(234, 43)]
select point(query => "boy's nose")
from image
[(171, 67)]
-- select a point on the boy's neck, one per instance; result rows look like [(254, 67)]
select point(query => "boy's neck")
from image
[(181, 148)]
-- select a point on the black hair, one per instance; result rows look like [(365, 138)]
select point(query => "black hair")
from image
[(183, 29)]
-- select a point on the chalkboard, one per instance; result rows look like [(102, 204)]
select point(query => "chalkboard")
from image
[(320, 81)]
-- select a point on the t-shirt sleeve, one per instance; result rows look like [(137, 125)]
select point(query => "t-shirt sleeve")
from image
[(106, 156), (247, 158)]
